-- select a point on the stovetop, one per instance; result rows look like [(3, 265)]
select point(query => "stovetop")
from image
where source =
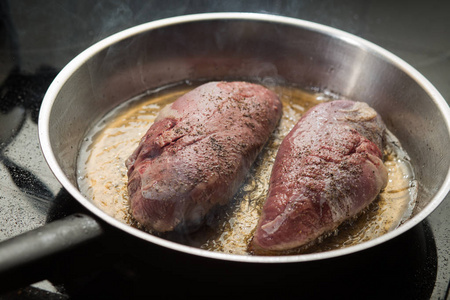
[(38, 39)]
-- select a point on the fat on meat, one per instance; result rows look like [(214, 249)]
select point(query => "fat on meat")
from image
[(328, 169), (198, 151)]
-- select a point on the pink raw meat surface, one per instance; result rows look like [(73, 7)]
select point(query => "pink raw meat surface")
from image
[(327, 170), (198, 152)]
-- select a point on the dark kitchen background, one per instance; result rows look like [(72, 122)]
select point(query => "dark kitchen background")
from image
[(38, 38)]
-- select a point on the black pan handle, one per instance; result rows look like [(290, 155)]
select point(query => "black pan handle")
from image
[(21, 256)]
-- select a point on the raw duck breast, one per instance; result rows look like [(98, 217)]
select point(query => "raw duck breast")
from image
[(198, 152), (327, 170)]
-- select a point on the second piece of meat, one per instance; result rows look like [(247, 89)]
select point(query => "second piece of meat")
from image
[(198, 152), (327, 170)]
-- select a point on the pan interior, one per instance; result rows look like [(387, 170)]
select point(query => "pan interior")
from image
[(267, 49)]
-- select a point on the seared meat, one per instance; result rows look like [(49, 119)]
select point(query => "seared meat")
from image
[(327, 170), (198, 151)]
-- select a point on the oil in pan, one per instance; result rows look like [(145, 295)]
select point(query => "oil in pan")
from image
[(102, 175)]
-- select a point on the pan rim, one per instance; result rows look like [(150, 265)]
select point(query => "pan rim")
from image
[(72, 66)]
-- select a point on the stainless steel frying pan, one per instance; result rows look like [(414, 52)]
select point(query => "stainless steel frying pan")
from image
[(225, 46)]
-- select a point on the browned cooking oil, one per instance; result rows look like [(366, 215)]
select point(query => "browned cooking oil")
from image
[(102, 175)]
